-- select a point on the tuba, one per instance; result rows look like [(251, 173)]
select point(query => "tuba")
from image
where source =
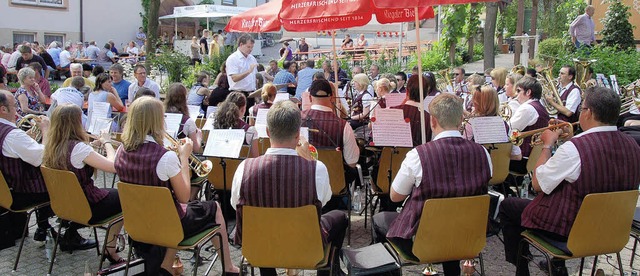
[(549, 88), (28, 124), (200, 168), (629, 98), (443, 80), (582, 69)]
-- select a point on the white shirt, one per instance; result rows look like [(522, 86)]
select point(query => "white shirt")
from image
[(564, 164), (189, 127), (350, 152), (573, 99), (133, 88), (237, 63), (68, 95), (514, 105), (65, 58), (79, 153), (133, 51), (323, 189), (366, 98), (168, 165), (17, 144), (410, 173), (13, 59), (524, 116)]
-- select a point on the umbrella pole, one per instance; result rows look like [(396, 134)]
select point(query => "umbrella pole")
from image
[(422, 129), (400, 47), (335, 55)]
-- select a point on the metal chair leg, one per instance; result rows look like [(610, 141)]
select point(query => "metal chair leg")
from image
[(481, 264), (581, 265), (55, 249), (633, 251), (103, 256), (197, 262), (349, 209), (593, 268), (620, 264), (24, 236), (221, 250), (126, 268)]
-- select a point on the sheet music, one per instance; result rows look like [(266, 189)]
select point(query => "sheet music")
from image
[(427, 100), (390, 129), (208, 124), (194, 111), (211, 110), (394, 99), (224, 143), (262, 130), (281, 97), (100, 124), (100, 111), (261, 117), (614, 84), (172, 123), (304, 132), (489, 129)]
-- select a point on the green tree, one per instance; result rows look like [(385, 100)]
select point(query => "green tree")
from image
[(617, 30), (489, 35), (453, 21), (471, 28)]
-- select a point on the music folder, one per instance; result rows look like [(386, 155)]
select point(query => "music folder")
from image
[(225, 143), (390, 128)]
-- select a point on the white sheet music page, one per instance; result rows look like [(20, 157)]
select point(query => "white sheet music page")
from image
[(194, 111), (489, 129), (172, 123), (390, 129), (281, 97), (262, 131), (100, 124), (224, 143), (211, 110), (100, 110), (394, 99), (261, 117), (304, 132), (427, 100)]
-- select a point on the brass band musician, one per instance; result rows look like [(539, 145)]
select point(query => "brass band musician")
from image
[(568, 109)]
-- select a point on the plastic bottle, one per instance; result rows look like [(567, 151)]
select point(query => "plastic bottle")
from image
[(48, 245), (356, 204)]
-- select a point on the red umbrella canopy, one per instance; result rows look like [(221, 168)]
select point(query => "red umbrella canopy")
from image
[(395, 15), (380, 4), (261, 19), (318, 15)]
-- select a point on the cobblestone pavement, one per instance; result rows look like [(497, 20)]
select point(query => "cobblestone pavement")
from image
[(34, 262)]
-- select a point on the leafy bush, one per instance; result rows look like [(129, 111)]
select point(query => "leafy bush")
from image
[(175, 63), (617, 30), (435, 59), (551, 48), (211, 66), (610, 61)]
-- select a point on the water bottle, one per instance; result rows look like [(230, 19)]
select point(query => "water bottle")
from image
[(48, 245), (356, 204)]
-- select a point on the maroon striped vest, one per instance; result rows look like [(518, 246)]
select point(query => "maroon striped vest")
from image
[(20, 176), (280, 181), (543, 121), (240, 124), (330, 128), (139, 167), (357, 107), (93, 193), (451, 167), (183, 121), (412, 113), (260, 106), (576, 115), (610, 161)]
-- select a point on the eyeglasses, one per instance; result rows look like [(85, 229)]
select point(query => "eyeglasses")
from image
[(562, 73), (456, 74), (398, 79), (518, 90)]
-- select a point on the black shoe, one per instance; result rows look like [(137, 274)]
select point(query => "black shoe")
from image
[(558, 269), (41, 234), (73, 241)]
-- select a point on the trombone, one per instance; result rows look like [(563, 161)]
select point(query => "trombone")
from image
[(517, 137)]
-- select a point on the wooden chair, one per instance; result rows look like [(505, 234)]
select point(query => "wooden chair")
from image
[(6, 200), (453, 229), (69, 203), (596, 230), (283, 238), (150, 216), (332, 159)]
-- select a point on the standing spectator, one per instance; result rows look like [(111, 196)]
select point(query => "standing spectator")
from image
[(305, 77), (27, 57), (142, 81), (304, 48), (42, 82), (285, 52), (121, 85), (195, 50), (347, 42), (204, 44), (362, 41), (230, 40), (241, 68), (582, 28), (141, 38), (29, 97), (214, 47), (93, 50)]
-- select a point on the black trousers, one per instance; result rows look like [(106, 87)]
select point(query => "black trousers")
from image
[(22, 200), (381, 223), (334, 224), (510, 214)]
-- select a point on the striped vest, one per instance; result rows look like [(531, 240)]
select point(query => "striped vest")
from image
[(264, 105), (282, 181), (20, 176), (93, 193), (412, 114), (451, 167), (576, 115), (357, 107), (610, 161), (183, 121), (330, 128), (139, 167), (543, 121)]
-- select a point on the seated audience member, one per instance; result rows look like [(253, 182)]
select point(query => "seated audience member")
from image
[(583, 165), (199, 93), (77, 71), (42, 82), (121, 85), (29, 96), (269, 181), (448, 166)]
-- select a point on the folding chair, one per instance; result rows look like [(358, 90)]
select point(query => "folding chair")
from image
[(332, 159), (150, 216), (596, 230)]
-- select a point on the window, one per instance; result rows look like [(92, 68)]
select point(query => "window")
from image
[(44, 3), (48, 38), (229, 2), (20, 37)]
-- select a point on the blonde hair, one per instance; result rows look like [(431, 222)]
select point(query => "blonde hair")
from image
[(447, 109), (268, 92), (145, 117), (361, 79), (475, 79), (486, 101), (499, 74), (66, 126)]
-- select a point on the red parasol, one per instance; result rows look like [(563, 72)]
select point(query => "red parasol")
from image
[(261, 19), (303, 16)]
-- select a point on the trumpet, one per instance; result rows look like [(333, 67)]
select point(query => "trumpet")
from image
[(28, 123), (517, 137), (200, 168), (99, 148)]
